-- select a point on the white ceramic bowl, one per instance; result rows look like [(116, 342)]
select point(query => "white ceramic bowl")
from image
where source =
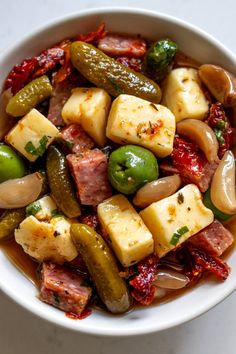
[(193, 42)]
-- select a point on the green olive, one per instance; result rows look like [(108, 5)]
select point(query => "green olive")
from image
[(11, 164), (130, 167)]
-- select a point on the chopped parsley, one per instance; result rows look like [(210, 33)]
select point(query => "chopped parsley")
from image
[(220, 136), (33, 209), (40, 150), (176, 236), (115, 85), (221, 124)]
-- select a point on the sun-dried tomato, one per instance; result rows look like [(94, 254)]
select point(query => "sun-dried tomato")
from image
[(65, 71), (219, 122), (187, 157), (48, 59), (31, 68), (143, 289), (92, 36), (132, 63), (214, 265), (21, 75), (189, 161)]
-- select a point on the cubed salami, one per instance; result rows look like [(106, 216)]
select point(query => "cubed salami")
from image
[(116, 45), (89, 170), (64, 288), (214, 239), (77, 138), (60, 95)]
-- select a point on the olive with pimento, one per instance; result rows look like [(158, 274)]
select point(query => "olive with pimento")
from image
[(130, 167)]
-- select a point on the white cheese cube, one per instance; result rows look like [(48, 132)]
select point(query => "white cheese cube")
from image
[(42, 208), (89, 107), (46, 241), (174, 219), (129, 237), (183, 95), (133, 120), (32, 135), (62, 238)]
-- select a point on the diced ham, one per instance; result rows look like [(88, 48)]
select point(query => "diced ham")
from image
[(214, 239), (64, 288), (116, 45), (89, 170), (75, 136)]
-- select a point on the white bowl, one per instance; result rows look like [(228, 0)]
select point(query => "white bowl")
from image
[(193, 42)]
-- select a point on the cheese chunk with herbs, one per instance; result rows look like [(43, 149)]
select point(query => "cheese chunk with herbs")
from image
[(133, 120), (174, 219), (46, 241), (32, 135), (89, 107), (183, 95), (129, 237), (43, 208)]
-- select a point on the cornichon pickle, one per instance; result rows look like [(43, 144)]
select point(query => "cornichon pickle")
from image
[(159, 59), (60, 183), (107, 73), (29, 96), (9, 221), (102, 267)]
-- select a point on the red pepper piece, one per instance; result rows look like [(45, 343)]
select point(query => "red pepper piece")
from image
[(142, 284), (92, 36)]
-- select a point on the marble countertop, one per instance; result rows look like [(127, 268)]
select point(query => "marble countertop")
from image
[(22, 332)]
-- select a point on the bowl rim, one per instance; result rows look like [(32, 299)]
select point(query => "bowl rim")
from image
[(60, 20)]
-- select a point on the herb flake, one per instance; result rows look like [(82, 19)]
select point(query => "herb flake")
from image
[(154, 107), (33, 209), (56, 297), (176, 236), (180, 198), (220, 136), (40, 150)]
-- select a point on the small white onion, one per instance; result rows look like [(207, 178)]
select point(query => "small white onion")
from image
[(169, 279), (19, 192)]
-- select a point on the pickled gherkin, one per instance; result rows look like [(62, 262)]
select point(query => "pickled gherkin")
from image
[(29, 96), (9, 221), (105, 72), (60, 183), (102, 267)]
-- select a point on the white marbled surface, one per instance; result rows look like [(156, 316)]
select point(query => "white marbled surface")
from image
[(213, 332)]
